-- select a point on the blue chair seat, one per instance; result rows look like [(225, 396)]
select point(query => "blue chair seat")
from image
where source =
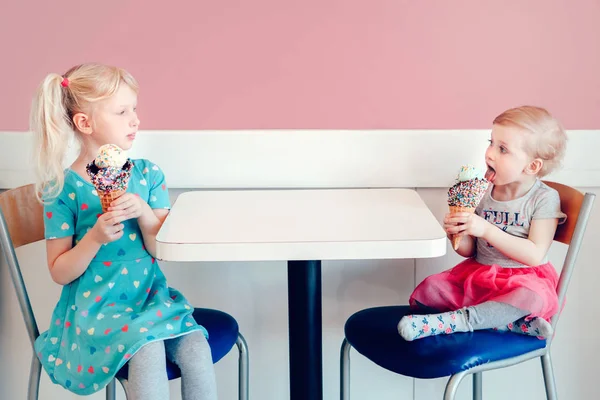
[(222, 335), (373, 333)]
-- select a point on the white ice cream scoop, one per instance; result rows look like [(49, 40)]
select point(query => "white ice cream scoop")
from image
[(110, 155)]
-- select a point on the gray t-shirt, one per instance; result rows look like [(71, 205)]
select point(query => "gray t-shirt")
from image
[(514, 217)]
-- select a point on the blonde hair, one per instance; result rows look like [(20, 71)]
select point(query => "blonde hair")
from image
[(58, 99), (547, 139)]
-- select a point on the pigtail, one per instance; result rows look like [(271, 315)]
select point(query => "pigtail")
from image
[(51, 125)]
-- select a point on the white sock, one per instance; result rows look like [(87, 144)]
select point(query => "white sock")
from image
[(418, 326), (536, 327)]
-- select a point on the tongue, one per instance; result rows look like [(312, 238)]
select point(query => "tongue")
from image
[(490, 174)]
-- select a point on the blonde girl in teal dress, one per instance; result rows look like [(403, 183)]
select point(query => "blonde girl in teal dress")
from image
[(115, 306)]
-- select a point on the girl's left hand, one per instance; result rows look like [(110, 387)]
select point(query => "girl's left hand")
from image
[(468, 224), (130, 203)]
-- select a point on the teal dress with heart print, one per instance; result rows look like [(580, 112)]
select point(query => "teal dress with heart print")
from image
[(121, 302)]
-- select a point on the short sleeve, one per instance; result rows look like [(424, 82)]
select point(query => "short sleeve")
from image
[(159, 193), (60, 215), (548, 206)]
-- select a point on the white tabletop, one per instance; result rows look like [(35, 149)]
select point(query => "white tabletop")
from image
[(326, 224)]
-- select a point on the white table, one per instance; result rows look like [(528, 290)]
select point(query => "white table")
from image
[(302, 227)]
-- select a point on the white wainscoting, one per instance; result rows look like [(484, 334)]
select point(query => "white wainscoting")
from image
[(312, 159), (255, 293)]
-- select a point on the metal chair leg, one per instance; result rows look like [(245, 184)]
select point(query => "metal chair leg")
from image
[(547, 371), (452, 385), (34, 378), (345, 370), (243, 369), (111, 390), (478, 386)]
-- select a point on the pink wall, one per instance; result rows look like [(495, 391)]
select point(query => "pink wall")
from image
[(316, 63)]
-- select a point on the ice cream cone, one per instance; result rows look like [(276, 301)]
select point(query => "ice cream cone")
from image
[(109, 196), (110, 172), (457, 209)]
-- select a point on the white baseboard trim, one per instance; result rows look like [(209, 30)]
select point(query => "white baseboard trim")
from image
[(312, 158)]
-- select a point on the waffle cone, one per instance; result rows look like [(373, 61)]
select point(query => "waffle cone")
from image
[(109, 196), (457, 209)]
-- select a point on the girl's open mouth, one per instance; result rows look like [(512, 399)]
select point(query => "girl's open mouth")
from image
[(490, 174)]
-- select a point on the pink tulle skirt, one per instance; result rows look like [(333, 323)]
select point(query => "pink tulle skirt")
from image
[(470, 283)]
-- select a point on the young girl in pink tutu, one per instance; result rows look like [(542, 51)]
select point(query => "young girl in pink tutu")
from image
[(506, 282)]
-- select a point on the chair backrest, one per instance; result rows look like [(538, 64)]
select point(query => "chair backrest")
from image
[(21, 223), (23, 215), (578, 208)]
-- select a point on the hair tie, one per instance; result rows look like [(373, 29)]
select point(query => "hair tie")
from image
[(65, 82)]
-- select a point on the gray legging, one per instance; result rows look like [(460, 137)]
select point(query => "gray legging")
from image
[(492, 314), (191, 353)]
